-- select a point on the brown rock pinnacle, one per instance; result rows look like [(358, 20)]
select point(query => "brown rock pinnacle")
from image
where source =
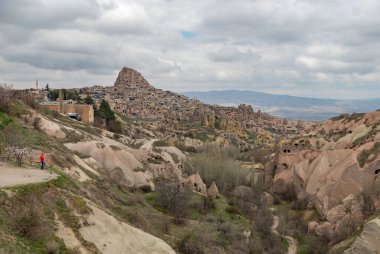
[(130, 78)]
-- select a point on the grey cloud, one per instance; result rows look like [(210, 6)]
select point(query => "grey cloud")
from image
[(267, 45), (35, 14), (231, 54)]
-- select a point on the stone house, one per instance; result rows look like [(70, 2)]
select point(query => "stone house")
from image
[(83, 112)]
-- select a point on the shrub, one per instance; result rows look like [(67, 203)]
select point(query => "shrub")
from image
[(261, 155), (166, 225), (75, 250), (363, 156), (55, 114), (264, 221), (80, 204), (27, 217), (369, 195), (317, 245), (138, 220), (30, 101), (52, 247), (160, 143), (115, 126), (208, 204), (300, 204), (192, 243), (217, 164), (7, 95), (224, 230), (37, 124), (16, 145), (5, 120), (255, 246), (175, 200)]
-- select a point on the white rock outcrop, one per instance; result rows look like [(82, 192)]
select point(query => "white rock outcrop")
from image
[(111, 236), (369, 240)]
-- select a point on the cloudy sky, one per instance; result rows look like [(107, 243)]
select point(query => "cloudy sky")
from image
[(324, 48)]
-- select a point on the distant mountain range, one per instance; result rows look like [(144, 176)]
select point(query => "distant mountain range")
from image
[(291, 107)]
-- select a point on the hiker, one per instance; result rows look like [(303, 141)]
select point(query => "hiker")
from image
[(42, 159)]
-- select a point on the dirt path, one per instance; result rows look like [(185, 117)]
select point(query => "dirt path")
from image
[(292, 249), (275, 224), (13, 176)]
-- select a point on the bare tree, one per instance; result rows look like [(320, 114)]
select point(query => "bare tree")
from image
[(175, 200), (264, 221), (6, 97), (218, 164), (16, 146)]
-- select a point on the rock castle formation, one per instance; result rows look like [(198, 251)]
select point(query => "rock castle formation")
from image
[(131, 78)]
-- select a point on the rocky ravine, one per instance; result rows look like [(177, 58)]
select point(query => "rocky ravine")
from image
[(329, 167)]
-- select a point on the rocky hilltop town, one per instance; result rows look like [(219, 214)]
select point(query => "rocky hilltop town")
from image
[(134, 97), (134, 169)]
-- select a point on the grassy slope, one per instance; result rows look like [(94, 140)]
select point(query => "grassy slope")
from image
[(134, 207)]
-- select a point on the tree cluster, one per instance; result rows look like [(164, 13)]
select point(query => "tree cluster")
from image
[(67, 94)]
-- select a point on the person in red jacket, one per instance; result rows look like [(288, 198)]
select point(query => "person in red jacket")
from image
[(42, 160)]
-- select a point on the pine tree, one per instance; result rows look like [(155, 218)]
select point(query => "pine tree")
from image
[(88, 100), (105, 112)]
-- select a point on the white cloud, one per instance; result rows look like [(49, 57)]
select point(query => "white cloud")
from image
[(312, 48)]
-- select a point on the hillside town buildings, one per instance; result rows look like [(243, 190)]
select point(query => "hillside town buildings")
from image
[(134, 97)]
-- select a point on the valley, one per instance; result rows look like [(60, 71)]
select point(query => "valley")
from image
[(134, 169)]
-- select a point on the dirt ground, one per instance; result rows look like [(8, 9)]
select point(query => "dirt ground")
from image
[(13, 176)]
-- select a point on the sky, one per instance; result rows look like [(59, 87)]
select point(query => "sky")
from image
[(324, 48)]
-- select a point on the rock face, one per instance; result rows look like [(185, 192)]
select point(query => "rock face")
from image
[(195, 183), (213, 191), (191, 143), (326, 177), (121, 165), (50, 128), (132, 79), (112, 236), (205, 116), (242, 192), (245, 109), (144, 181), (369, 240)]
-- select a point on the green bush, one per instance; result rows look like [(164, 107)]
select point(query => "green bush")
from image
[(5, 120)]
